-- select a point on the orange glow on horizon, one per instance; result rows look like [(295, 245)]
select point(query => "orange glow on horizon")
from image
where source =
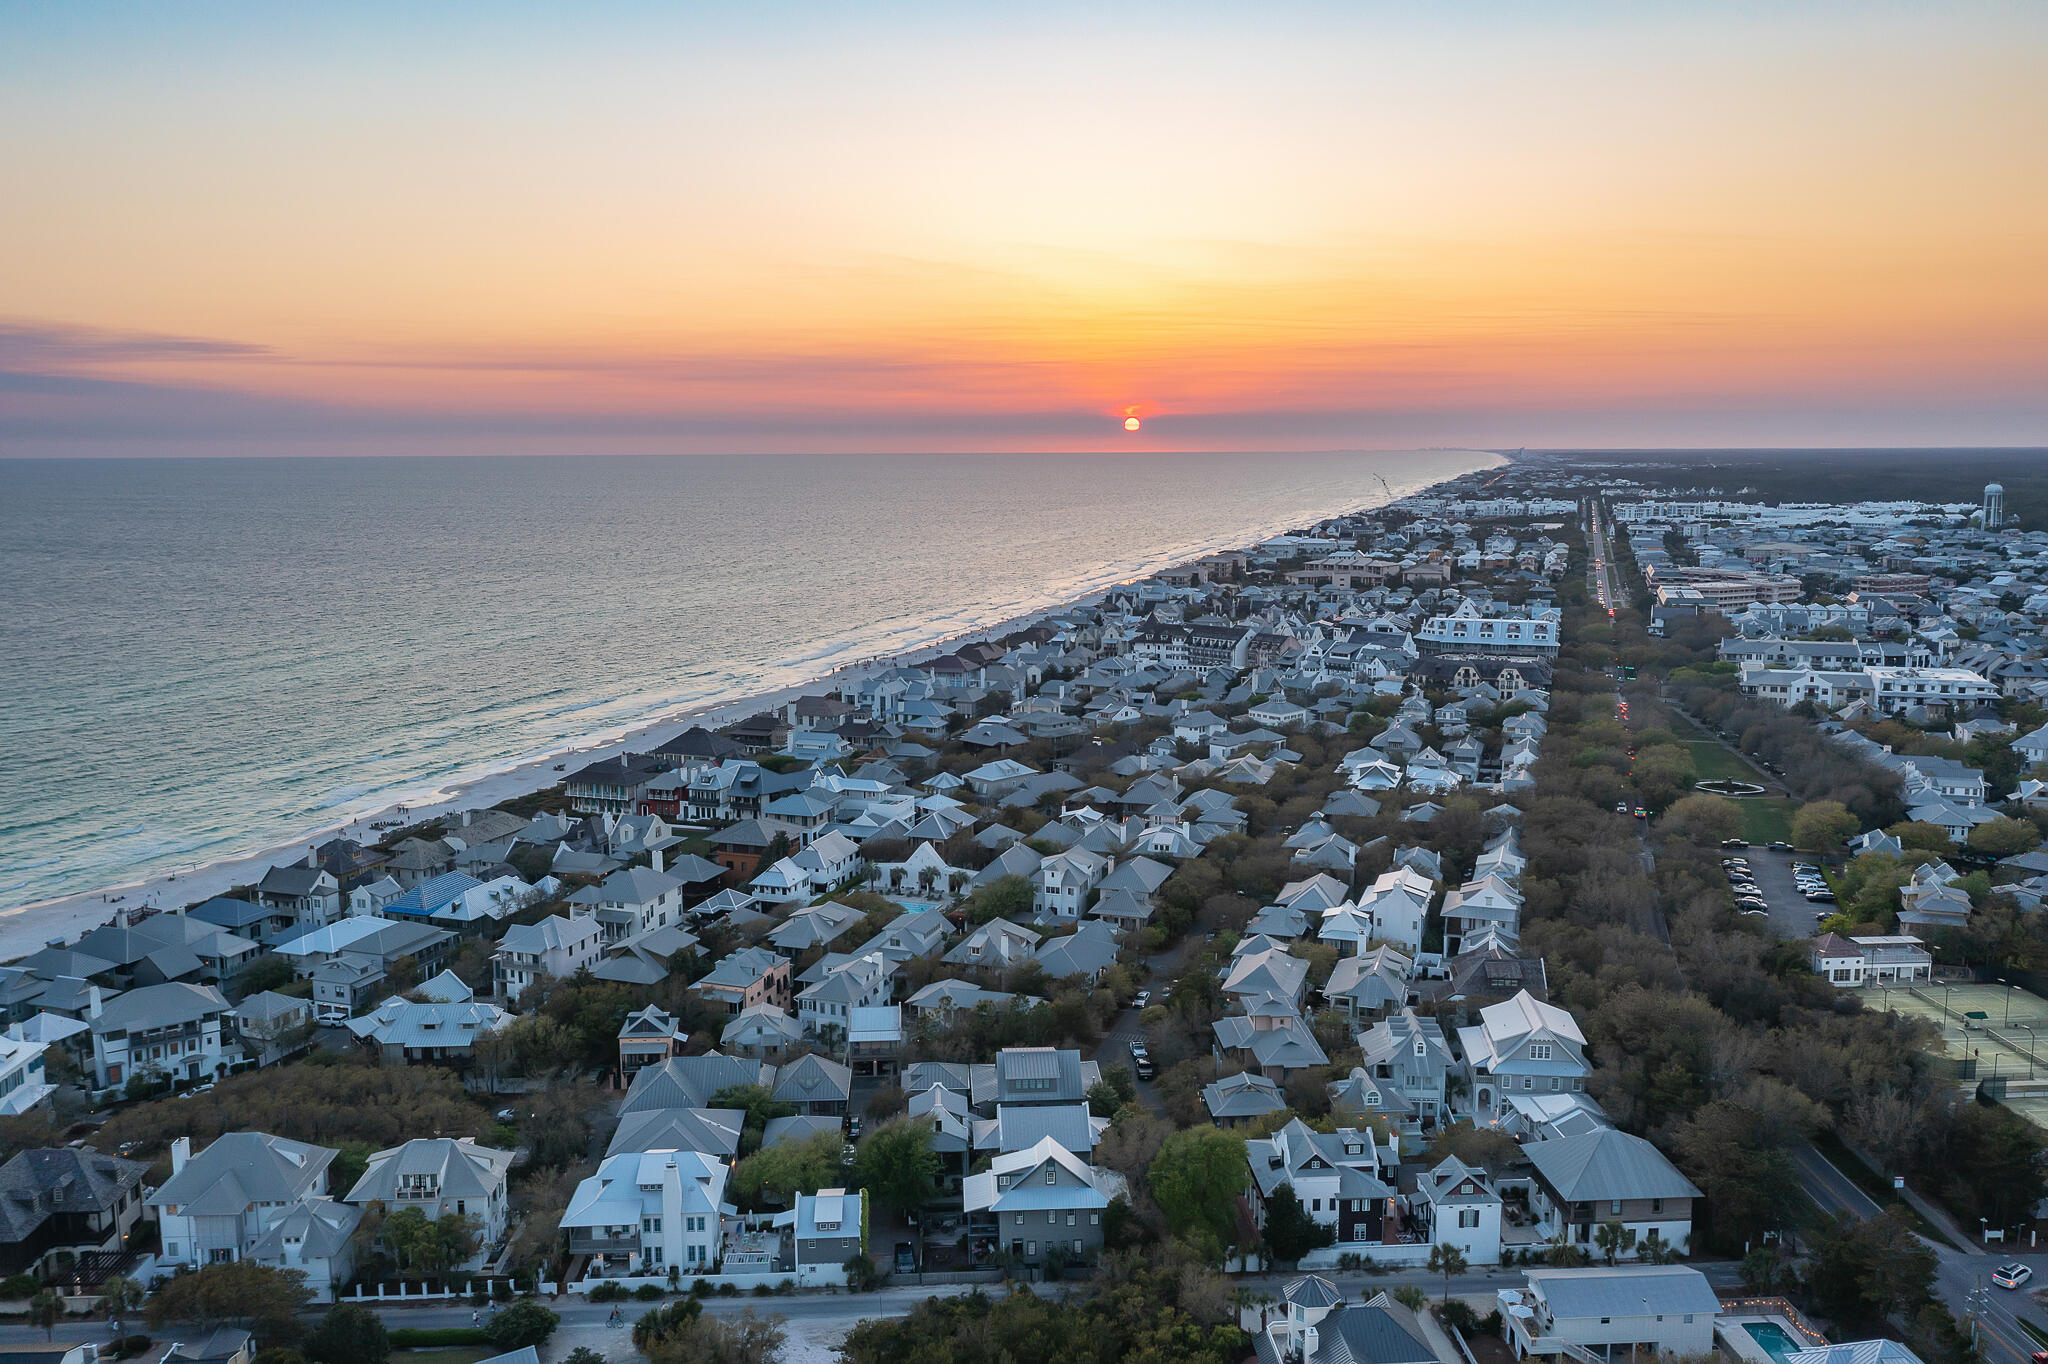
[(1017, 231)]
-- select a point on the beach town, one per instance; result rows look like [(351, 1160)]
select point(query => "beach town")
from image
[(1612, 901)]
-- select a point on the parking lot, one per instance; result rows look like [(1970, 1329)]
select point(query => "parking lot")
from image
[(1792, 914)]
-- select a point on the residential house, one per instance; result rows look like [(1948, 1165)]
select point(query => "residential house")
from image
[(1489, 904), (66, 1200), (1612, 1312), (218, 1204), (305, 894), (829, 1228), (1399, 904), (761, 1031), (1609, 1175), (1343, 1179), (1086, 952), (1041, 1200), (1320, 1327), (1242, 1099), (1455, 1204), (1367, 986), (644, 1211), (1408, 1063), (160, 1032), (272, 1026), (553, 949), (399, 1030), (1521, 1046), (825, 1008), (742, 979), (994, 948), (814, 1085), (1064, 881), (648, 1035), (441, 1176)]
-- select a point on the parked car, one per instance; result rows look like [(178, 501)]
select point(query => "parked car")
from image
[(1734, 842), (1823, 897), (2012, 1275), (1779, 846), (906, 1258), (853, 1129), (1146, 1070)]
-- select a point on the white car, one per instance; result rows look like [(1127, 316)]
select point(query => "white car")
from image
[(2012, 1275)]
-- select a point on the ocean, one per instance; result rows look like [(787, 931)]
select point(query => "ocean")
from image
[(204, 658)]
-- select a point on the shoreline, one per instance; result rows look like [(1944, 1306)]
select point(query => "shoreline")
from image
[(29, 927)]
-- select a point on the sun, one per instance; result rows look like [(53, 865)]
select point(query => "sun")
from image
[(1132, 423)]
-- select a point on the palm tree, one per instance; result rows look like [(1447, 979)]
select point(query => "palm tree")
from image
[(1609, 1237), (1448, 1260), (120, 1295)]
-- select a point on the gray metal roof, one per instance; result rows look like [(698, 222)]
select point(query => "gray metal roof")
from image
[(1607, 1164), (1625, 1291)]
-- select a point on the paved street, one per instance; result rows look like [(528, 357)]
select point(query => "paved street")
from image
[(1963, 1281)]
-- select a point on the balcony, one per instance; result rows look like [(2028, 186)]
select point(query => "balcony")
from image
[(588, 1241)]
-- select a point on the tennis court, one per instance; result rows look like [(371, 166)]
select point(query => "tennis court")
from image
[(2000, 1026)]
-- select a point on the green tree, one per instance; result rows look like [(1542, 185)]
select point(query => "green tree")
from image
[(1992, 1164), (897, 1165), (1411, 1297), (789, 1168), (2005, 837), (1611, 1237), (43, 1310), (1447, 1260), (120, 1295), (522, 1324), (1196, 1179), (1925, 837), (1748, 1179), (1823, 825), (265, 1300), (1702, 819), (1865, 1270), (760, 1107), (583, 1354), (349, 1334), (1006, 897), (1290, 1232)]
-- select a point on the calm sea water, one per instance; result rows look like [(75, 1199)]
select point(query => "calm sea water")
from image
[(202, 658)]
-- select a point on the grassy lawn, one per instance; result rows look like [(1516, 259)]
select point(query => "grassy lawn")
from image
[(1712, 762), (447, 1354), (1767, 819)]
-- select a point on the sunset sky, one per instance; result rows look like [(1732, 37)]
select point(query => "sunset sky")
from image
[(512, 227)]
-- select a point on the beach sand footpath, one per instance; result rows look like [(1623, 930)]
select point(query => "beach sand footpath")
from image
[(33, 927)]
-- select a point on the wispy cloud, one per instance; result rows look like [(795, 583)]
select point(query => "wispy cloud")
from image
[(35, 344)]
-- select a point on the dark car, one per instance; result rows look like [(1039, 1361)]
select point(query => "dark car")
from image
[(906, 1258), (1734, 842), (853, 1129), (1146, 1070), (1779, 847)]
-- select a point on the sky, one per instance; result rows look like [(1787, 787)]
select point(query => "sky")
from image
[(317, 228)]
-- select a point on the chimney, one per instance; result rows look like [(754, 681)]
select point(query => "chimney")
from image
[(92, 1001), (1310, 1339), (659, 860), (181, 1151)]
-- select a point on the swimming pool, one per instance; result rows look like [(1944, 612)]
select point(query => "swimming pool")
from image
[(1773, 1338)]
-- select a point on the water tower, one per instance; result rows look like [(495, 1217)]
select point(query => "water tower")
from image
[(1994, 506)]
